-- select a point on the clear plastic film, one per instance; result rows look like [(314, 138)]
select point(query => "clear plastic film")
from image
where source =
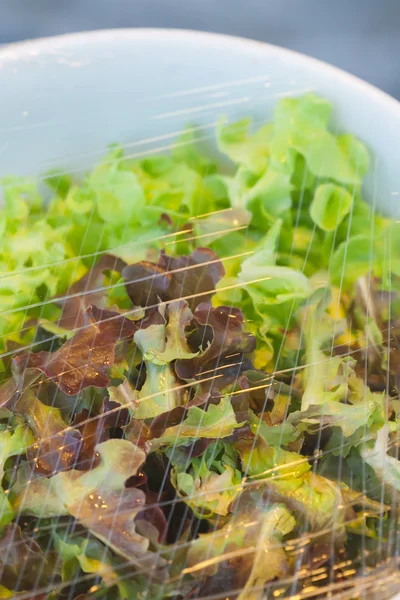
[(200, 372)]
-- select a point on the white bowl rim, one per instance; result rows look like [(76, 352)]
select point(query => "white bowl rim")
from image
[(24, 49)]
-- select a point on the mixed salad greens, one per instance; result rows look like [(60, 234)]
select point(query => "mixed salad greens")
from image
[(201, 371)]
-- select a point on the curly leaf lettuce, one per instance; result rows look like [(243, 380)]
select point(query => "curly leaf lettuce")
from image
[(160, 344), (242, 147), (273, 289), (330, 205), (209, 483), (288, 478), (325, 377), (301, 124), (217, 422), (98, 499)]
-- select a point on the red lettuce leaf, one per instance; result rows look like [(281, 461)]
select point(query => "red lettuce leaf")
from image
[(23, 565), (154, 516), (86, 358), (59, 452), (8, 392), (12, 388), (192, 277), (59, 447), (146, 283), (97, 429), (86, 292), (152, 513), (56, 446), (225, 358), (116, 517)]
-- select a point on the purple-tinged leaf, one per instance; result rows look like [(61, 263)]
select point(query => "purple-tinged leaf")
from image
[(225, 357), (192, 277), (86, 292), (86, 358)]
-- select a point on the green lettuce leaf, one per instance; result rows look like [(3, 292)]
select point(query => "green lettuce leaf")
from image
[(288, 478), (349, 417), (325, 377), (88, 555), (186, 150), (160, 344), (217, 422), (273, 435), (244, 148), (330, 205), (301, 124), (277, 523), (210, 483), (275, 290), (117, 194), (15, 438), (250, 537), (266, 196), (386, 467), (352, 259), (261, 460)]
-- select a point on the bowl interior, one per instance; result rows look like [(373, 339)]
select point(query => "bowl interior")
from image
[(65, 99)]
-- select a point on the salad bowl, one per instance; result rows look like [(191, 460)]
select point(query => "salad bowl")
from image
[(121, 350)]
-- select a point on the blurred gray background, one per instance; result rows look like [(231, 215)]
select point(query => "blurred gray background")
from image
[(361, 36)]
